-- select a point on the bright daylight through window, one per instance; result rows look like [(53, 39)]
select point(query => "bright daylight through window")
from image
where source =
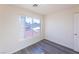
[(31, 26)]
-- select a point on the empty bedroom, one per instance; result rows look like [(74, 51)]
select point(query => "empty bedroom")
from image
[(39, 29)]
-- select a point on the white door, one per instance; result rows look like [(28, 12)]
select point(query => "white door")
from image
[(76, 32)]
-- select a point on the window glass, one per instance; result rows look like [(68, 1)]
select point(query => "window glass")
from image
[(36, 26), (31, 26), (28, 27)]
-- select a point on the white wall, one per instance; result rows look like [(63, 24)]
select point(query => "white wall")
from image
[(59, 27), (10, 38)]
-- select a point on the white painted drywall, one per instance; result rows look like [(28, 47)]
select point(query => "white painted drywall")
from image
[(10, 30), (59, 27)]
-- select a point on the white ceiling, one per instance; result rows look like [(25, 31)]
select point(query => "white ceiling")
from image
[(46, 8)]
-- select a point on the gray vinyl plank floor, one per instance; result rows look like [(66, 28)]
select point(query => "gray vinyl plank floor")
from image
[(46, 47)]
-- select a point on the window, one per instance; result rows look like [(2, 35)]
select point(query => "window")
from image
[(31, 26)]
